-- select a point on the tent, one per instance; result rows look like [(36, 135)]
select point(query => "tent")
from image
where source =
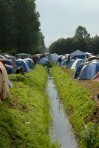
[(89, 71), (64, 63), (44, 61), (96, 77), (92, 58), (76, 64), (78, 54), (78, 70), (10, 69), (70, 63), (22, 55), (4, 88), (22, 63), (30, 63), (88, 53), (53, 57)]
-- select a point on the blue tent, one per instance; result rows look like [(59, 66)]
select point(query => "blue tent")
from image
[(76, 64), (78, 54), (78, 70), (30, 63), (10, 69), (64, 62), (44, 61), (22, 63), (89, 71), (69, 64)]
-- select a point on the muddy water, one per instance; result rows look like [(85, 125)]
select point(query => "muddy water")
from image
[(61, 130)]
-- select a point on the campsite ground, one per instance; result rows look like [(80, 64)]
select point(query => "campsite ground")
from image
[(92, 86)]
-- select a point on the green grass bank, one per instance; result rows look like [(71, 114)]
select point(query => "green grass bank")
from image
[(79, 107), (24, 116)]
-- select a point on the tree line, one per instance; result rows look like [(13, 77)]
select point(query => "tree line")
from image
[(81, 41), (20, 27)]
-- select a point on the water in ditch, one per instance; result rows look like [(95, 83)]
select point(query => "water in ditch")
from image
[(61, 130)]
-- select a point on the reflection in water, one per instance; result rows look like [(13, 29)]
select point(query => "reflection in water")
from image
[(61, 130)]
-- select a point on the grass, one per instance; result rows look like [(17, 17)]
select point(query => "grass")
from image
[(24, 116), (80, 107)]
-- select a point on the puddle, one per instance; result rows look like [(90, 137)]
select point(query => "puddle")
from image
[(61, 130)]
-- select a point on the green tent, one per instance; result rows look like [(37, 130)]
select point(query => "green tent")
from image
[(22, 55)]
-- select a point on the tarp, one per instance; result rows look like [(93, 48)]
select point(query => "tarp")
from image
[(4, 88)]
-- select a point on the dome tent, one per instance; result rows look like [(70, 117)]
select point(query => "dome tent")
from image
[(44, 61), (22, 63), (53, 58), (78, 70), (89, 71), (76, 64), (4, 88), (30, 63), (70, 63)]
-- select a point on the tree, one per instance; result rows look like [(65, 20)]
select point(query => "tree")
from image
[(7, 25), (19, 25), (95, 45), (81, 33), (41, 44), (27, 24), (82, 37)]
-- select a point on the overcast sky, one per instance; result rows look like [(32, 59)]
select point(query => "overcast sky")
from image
[(60, 18)]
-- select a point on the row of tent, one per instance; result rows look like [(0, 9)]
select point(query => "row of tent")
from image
[(84, 64), (12, 66), (51, 58), (88, 69), (84, 70), (54, 57)]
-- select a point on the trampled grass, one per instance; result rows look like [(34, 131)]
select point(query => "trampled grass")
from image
[(24, 116), (80, 108)]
